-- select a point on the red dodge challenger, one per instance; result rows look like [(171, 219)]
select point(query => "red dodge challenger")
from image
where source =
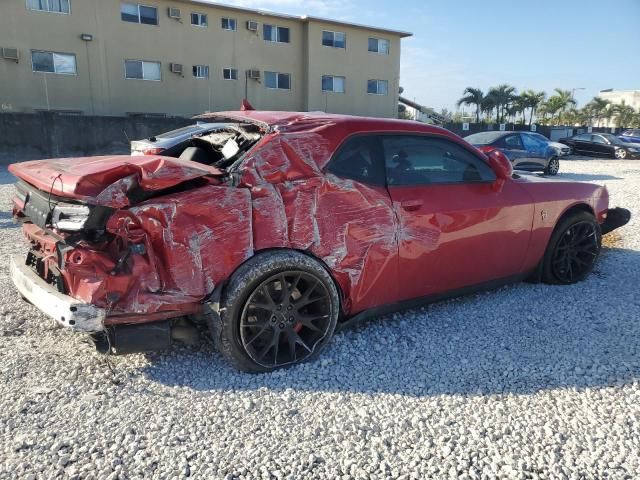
[(278, 227)]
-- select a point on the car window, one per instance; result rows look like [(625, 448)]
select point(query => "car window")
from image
[(512, 141), (358, 159), (583, 138), (422, 160), (599, 139), (531, 142)]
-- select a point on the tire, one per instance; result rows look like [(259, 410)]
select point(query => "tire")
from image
[(256, 318), (573, 249), (620, 154), (552, 167)]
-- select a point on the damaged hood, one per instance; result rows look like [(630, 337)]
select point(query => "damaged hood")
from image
[(107, 180)]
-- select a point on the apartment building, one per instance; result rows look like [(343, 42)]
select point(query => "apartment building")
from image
[(182, 57)]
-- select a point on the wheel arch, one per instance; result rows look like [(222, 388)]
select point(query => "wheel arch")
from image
[(219, 291)]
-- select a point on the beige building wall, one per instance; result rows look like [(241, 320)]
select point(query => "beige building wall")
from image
[(100, 86)]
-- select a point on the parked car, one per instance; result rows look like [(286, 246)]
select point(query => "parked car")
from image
[(630, 136), (302, 223), (602, 144), (173, 142), (525, 150), (561, 149)]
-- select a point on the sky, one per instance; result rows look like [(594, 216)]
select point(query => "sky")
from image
[(540, 45)]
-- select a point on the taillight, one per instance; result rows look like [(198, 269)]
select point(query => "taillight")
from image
[(153, 151), (486, 149)]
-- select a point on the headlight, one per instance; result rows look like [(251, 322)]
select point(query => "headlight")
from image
[(66, 216)]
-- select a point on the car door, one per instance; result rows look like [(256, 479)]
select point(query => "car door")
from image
[(582, 143), (536, 151), (511, 145), (601, 146), (456, 228)]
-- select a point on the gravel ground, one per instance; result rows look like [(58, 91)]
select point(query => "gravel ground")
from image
[(531, 381)]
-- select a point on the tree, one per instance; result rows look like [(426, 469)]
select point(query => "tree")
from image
[(597, 109), (624, 114), (565, 99), (473, 96), (502, 95), (532, 100)]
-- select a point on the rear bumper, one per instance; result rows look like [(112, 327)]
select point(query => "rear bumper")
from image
[(616, 218), (65, 310)]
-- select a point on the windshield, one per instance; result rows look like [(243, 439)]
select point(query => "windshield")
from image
[(612, 138), (483, 138), (189, 130)]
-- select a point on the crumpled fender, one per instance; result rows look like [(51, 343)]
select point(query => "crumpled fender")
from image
[(179, 246), (351, 227)]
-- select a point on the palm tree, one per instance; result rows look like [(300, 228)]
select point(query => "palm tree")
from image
[(623, 113), (533, 100), (552, 107), (598, 108), (488, 104), (473, 96), (502, 95), (565, 99)]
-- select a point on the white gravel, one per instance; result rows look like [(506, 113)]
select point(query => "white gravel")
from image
[(531, 381)]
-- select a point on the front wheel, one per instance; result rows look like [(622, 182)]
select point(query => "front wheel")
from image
[(279, 309), (621, 154), (573, 249), (552, 167)]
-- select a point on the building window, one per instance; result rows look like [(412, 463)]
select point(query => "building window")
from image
[(378, 45), (378, 87), (201, 71), (142, 70), (277, 81), (55, 6), (273, 33), (332, 84), (136, 13), (52, 62), (334, 39), (199, 19), (229, 24), (230, 73)]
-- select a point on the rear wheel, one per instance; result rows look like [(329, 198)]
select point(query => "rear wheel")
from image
[(279, 309), (552, 167), (573, 249)]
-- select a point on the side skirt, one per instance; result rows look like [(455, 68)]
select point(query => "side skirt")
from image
[(429, 299)]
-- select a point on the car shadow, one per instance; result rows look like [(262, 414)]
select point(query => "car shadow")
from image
[(6, 221), (521, 339), (6, 178)]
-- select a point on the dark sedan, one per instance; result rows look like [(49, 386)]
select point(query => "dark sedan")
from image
[(601, 144), (525, 150)]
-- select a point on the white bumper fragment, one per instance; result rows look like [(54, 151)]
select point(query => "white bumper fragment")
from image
[(65, 310)]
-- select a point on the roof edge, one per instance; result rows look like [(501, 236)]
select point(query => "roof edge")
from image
[(301, 18)]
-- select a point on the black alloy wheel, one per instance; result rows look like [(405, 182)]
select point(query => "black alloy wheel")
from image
[(576, 252), (285, 318)]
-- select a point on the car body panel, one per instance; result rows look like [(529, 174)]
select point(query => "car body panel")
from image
[(171, 251), (106, 180)]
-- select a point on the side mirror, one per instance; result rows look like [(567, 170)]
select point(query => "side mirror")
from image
[(500, 164)]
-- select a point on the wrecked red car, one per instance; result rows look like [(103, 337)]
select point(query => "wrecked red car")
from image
[(279, 227)]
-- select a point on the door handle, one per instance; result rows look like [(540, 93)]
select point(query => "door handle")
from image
[(411, 205)]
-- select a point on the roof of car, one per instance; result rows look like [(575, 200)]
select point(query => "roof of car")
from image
[(305, 121)]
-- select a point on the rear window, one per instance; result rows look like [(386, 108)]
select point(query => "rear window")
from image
[(483, 138), (180, 131)]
